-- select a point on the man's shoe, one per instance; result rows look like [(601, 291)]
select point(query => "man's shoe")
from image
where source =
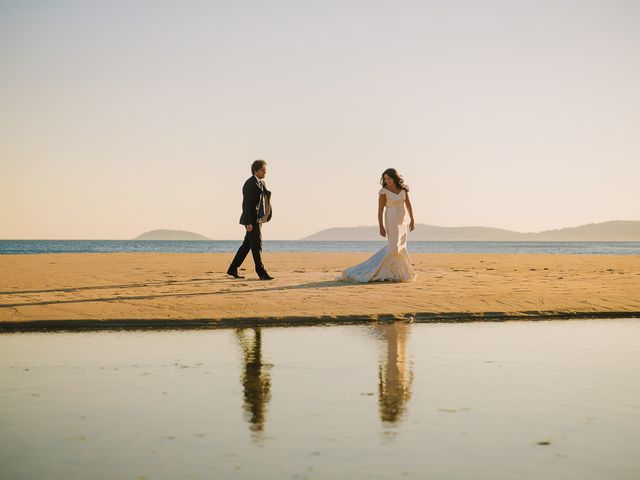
[(234, 273), (265, 276)]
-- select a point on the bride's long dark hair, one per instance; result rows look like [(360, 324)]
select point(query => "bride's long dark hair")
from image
[(396, 177)]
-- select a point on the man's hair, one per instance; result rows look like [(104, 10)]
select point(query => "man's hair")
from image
[(257, 165)]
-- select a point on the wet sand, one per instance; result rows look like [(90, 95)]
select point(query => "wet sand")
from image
[(149, 289)]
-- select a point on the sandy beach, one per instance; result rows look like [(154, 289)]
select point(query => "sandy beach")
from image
[(148, 289)]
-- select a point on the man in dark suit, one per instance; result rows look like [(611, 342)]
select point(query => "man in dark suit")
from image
[(256, 210)]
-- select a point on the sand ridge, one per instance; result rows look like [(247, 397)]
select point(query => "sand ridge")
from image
[(175, 289)]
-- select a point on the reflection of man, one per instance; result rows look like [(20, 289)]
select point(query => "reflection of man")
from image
[(256, 380), (256, 210), (394, 374)]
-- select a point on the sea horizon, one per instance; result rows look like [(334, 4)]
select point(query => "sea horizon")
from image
[(26, 247)]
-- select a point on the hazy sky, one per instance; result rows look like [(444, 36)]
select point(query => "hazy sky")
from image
[(118, 117)]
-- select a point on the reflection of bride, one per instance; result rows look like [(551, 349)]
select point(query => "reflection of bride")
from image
[(256, 379), (391, 262), (395, 376)]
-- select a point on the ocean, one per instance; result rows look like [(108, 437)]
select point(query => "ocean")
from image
[(22, 247)]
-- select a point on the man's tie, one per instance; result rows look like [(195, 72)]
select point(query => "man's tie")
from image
[(261, 206)]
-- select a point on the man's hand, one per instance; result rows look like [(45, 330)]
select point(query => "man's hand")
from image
[(249, 228), (383, 232)]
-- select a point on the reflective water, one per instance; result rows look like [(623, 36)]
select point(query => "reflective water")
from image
[(482, 400)]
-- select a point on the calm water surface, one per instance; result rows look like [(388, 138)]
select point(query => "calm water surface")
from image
[(23, 247), (524, 400)]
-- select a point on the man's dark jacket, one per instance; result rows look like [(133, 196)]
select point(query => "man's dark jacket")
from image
[(252, 192)]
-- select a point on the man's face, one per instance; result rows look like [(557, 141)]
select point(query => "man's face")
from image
[(262, 172)]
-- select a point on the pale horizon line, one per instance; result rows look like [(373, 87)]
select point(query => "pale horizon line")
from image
[(303, 238)]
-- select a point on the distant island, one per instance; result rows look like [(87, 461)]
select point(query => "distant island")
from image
[(614, 231), (170, 235)]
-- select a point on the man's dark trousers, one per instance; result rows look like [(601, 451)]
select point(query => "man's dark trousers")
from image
[(252, 241)]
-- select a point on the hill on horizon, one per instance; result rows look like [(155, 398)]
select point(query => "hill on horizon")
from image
[(613, 231), (170, 235)]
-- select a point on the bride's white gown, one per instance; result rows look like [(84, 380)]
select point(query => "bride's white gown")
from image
[(391, 262)]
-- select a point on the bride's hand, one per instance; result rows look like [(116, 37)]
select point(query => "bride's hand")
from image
[(412, 226), (383, 232)]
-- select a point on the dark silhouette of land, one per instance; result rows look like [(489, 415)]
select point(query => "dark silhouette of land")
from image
[(614, 231)]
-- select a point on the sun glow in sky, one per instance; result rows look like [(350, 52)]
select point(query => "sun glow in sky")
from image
[(122, 117)]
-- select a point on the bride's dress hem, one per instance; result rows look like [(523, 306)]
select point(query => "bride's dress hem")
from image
[(378, 280), (382, 267)]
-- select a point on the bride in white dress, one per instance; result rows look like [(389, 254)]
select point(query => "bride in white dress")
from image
[(392, 262)]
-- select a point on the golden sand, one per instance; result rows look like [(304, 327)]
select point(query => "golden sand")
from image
[(166, 289)]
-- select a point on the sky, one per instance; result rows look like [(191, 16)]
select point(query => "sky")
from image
[(122, 117)]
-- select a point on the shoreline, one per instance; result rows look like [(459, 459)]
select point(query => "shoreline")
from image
[(93, 291), (53, 326)]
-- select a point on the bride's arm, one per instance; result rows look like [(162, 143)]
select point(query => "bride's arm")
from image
[(382, 201), (407, 202)]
